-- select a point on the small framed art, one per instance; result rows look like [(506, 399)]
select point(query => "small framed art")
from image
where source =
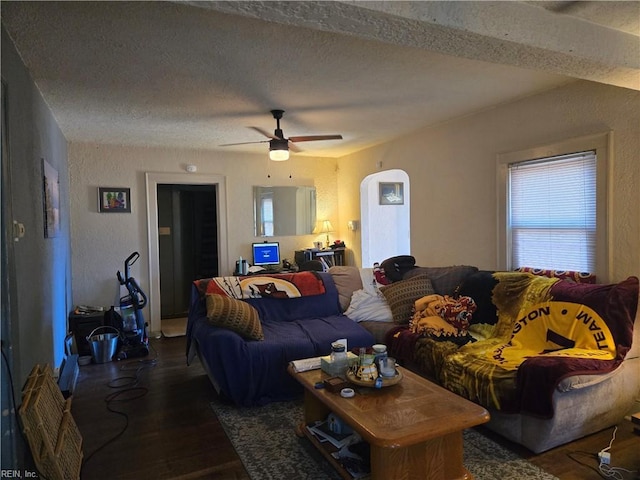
[(391, 193), (114, 200), (51, 200)]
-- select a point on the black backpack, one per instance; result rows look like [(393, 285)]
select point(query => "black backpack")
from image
[(395, 267)]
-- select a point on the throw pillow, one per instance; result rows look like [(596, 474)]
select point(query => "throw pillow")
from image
[(347, 281), (236, 315), (578, 277), (402, 295), (368, 307)]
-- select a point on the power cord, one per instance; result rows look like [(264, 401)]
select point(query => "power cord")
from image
[(604, 455), (605, 468), (590, 455), (129, 392)]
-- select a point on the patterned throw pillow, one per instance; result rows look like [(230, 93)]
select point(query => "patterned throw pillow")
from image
[(402, 295), (578, 277), (236, 315)]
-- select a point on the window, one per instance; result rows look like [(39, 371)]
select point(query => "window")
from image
[(552, 212), (266, 215), (552, 206)]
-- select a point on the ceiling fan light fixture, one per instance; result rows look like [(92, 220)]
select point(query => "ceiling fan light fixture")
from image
[(278, 150), (279, 145), (279, 155)]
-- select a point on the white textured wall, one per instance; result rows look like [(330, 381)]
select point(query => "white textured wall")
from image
[(101, 241), (452, 168)]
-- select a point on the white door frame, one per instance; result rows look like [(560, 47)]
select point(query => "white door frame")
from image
[(152, 180)]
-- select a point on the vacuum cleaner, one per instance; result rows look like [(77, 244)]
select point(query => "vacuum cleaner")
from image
[(133, 331)]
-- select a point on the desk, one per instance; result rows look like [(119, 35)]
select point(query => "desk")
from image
[(330, 256)]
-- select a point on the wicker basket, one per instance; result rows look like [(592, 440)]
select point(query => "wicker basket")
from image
[(53, 436)]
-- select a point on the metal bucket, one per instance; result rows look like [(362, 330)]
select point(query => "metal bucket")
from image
[(103, 345)]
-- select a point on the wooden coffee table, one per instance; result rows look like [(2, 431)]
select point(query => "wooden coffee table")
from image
[(414, 428)]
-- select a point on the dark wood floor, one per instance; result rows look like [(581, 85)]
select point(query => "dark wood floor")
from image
[(172, 433)]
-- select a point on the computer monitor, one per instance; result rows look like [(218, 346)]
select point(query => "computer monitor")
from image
[(266, 254)]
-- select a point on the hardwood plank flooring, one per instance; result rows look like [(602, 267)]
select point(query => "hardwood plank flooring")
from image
[(171, 432), (166, 429)]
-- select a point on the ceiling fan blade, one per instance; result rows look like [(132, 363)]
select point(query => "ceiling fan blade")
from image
[(309, 138), (264, 132), (294, 148), (242, 143)]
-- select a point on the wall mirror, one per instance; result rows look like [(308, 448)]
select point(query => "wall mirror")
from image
[(280, 211)]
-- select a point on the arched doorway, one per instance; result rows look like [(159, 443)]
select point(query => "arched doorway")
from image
[(385, 212)]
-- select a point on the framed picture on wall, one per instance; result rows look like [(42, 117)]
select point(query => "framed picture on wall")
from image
[(114, 200), (51, 200), (391, 193)]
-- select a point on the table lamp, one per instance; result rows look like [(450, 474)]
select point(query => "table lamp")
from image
[(326, 228)]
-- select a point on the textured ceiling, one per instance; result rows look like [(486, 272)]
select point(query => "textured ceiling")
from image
[(197, 74)]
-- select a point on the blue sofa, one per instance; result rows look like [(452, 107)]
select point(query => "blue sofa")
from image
[(254, 372)]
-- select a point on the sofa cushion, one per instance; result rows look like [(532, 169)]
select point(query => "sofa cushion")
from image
[(236, 315), (402, 295), (379, 330), (445, 280), (291, 309), (470, 373), (347, 281)]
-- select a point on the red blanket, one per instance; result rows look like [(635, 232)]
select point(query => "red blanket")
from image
[(285, 285)]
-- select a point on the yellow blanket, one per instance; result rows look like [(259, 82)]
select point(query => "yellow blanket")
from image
[(556, 329)]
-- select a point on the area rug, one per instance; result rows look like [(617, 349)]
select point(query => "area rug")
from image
[(265, 440), (174, 327)]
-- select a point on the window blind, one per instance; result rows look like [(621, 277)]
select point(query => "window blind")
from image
[(552, 212)]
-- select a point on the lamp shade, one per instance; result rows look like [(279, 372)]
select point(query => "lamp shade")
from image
[(279, 150), (326, 227)]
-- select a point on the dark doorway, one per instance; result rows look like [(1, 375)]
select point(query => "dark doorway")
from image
[(187, 242)]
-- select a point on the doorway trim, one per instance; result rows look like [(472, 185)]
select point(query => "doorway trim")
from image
[(152, 180)]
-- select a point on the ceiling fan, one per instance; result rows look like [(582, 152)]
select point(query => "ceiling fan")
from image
[(279, 146)]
